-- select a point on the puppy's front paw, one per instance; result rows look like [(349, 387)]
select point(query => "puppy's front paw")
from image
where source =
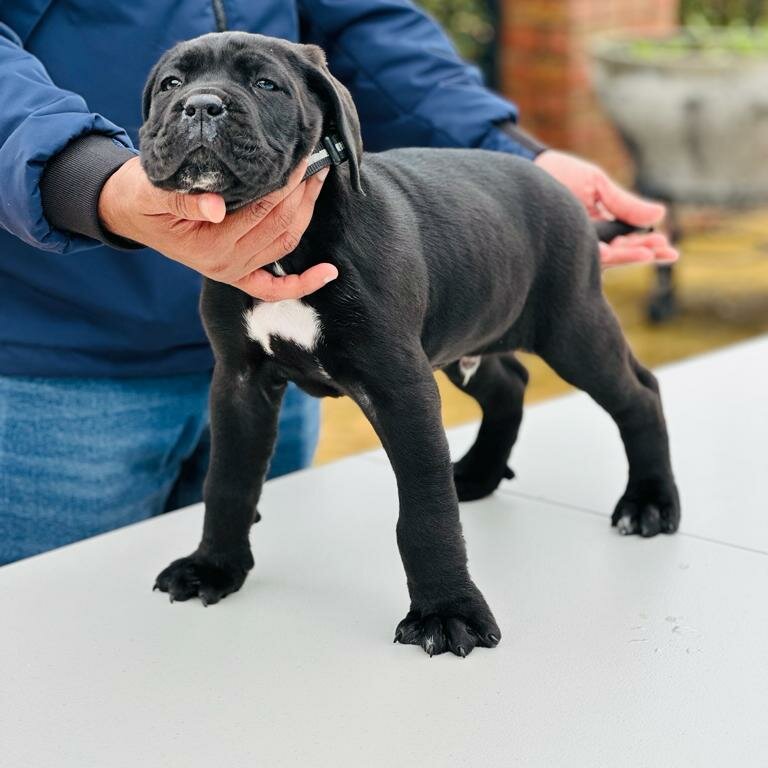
[(458, 627), (198, 576), (647, 508)]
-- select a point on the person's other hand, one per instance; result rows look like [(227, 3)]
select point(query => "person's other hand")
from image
[(196, 230), (604, 199)]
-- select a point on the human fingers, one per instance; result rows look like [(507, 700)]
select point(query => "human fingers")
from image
[(286, 234), (625, 205), (262, 285), (243, 220)]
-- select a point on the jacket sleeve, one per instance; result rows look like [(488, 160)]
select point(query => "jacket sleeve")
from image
[(44, 128), (410, 86)]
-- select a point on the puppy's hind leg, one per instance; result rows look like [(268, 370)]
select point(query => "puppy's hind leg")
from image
[(587, 348), (498, 383)]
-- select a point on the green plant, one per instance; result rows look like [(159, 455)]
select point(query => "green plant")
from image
[(470, 24), (724, 13), (715, 43)]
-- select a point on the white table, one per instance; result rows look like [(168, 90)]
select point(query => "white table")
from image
[(616, 652)]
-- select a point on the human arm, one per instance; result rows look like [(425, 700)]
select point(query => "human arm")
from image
[(37, 122), (409, 85)]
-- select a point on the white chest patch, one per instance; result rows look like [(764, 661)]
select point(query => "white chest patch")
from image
[(290, 320)]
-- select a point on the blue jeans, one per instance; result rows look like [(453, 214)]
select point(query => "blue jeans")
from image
[(83, 456)]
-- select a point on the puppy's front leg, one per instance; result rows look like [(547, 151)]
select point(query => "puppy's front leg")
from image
[(244, 411), (448, 612)]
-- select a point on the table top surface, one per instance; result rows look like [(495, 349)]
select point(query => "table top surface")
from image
[(616, 651)]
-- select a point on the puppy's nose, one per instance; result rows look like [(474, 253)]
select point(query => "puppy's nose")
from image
[(204, 105)]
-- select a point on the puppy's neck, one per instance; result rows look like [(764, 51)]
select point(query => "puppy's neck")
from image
[(333, 206)]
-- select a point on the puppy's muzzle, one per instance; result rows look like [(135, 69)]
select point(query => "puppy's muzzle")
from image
[(203, 106), (201, 114)]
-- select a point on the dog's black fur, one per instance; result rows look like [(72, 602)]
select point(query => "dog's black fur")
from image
[(441, 254)]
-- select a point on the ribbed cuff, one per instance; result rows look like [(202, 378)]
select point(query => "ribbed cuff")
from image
[(529, 146), (72, 182)]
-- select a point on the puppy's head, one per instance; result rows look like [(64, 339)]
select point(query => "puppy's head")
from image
[(235, 113)]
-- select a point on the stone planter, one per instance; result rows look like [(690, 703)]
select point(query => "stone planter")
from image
[(695, 123)]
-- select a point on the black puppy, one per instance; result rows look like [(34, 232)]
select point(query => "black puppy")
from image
[(447, 259)]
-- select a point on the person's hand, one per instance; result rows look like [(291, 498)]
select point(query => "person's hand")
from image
[(196, 230), (604, 199)]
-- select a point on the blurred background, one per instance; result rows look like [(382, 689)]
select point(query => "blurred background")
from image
[(670, 98)]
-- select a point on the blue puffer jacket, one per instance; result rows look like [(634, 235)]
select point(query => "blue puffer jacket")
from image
[(71, 306)]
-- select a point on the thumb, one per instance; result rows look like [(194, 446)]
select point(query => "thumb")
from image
[(262, 285), (626, 206), (205, 207)]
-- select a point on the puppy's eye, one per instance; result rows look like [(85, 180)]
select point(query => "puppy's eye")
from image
[(266, 85), (169, 83)]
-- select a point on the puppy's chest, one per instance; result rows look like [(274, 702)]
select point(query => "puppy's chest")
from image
[(289, 332), (274, 324), (278, 325)]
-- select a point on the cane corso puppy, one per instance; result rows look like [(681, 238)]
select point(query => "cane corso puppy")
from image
[(448, 259)]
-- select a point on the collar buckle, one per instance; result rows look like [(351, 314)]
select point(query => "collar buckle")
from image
[(330, 151), (335, 149)]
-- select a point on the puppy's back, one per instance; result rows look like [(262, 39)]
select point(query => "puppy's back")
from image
[(493, 235)]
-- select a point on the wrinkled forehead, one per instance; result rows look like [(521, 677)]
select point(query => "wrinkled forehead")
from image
[(234, 55)]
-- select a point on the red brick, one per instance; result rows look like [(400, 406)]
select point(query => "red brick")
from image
[(545, 67)]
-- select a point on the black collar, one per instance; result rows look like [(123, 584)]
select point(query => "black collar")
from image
[(330, 151)]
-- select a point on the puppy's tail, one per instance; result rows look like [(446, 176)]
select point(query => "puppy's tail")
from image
[(607, 230)]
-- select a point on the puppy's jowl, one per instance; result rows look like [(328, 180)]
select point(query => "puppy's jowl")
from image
[(447, 259)]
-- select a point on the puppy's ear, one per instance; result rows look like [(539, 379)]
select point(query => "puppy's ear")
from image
[(146, 96), (339, 109)]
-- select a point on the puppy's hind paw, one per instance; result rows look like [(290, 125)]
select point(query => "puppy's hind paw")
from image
[(472, 484)]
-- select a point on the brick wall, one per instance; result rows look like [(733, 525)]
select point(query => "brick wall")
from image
[(544, 66)]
